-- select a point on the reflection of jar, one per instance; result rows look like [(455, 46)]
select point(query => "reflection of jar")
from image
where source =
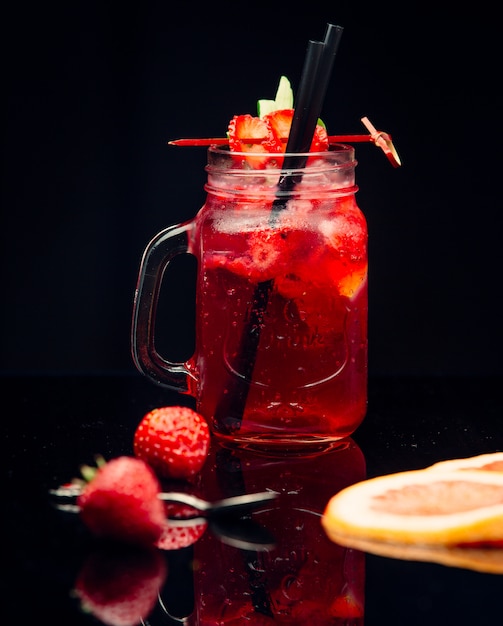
[(305, 578)]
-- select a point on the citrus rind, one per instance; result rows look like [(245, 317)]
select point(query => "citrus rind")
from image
[(441, 507), (491, 462)]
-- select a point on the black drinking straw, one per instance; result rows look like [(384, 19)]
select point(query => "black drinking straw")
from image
[(311, 94), (316, 71)]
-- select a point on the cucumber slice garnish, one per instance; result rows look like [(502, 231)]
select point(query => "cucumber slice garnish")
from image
[(283, 100), (264, 107), (284, 95)]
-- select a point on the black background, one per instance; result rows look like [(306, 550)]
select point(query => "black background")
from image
[(95, 90), (92, 91)]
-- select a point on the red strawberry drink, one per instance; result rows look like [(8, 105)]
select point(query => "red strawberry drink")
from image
[(281, 352), (281, 307)]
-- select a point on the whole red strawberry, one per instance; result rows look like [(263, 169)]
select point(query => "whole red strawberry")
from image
[(121, 502), (173, 440), (120, 586)]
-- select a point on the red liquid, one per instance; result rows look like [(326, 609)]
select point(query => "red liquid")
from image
[(309, 380), (305, 578)]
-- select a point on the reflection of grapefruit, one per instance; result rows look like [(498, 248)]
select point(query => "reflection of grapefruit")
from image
[(488, 560), (440, 507)]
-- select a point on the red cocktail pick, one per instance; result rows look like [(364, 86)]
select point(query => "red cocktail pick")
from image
[(379, 138)]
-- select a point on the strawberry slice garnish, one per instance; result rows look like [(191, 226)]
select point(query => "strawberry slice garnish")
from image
[(243, 127), (280, 122), (266, 135), (320, 141), (246, 127), (173, 440)]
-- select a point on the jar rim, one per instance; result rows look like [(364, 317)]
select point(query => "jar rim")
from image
[(338, 157), (339, 148)]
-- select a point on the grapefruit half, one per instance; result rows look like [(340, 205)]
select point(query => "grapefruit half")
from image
[(435, 508)]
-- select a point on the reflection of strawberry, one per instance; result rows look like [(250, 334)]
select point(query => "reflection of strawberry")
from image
[(173, 440), (346, 605), (120, 586), (121, 502)]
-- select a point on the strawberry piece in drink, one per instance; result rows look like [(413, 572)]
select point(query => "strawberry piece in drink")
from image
[(273, 252), (345, 250)]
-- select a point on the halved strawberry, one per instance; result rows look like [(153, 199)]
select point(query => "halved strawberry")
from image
[(280, 122), (270, 135), (243, 127), (320, 141)]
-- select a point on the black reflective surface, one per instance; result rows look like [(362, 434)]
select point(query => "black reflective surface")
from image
[(52, 425)]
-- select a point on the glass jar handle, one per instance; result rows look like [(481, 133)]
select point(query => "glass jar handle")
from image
[(160, 251)]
